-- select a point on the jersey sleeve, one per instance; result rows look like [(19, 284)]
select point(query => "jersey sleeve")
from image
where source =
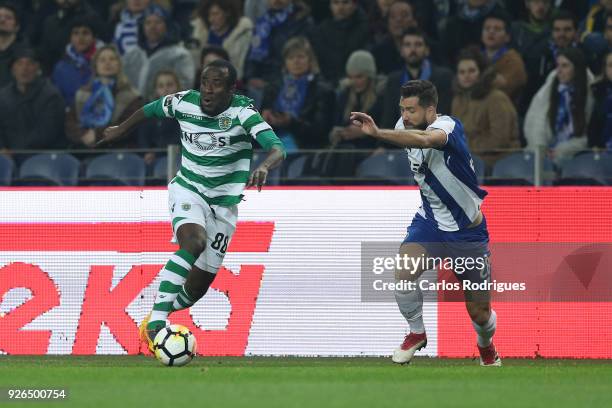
[(163, 107), (399, 125), (259, 129), (447, 125)]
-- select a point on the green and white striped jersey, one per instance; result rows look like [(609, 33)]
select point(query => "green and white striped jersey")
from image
[(216, 151)]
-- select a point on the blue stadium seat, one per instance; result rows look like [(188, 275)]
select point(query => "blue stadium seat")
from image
[(516, 169), (273, 175), (6, 170), (587, 169), (116, 169), (50, 169), (391, 167), (160, 168), (293, 168)]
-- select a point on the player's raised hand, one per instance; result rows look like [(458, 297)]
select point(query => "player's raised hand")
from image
[(258, 177), (109, 134), (365, 123)]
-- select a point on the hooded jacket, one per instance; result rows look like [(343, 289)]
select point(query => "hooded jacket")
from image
[(141, 64)]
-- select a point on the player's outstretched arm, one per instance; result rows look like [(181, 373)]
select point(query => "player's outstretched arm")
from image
[(115, 132), (411, 138), (260, 174)]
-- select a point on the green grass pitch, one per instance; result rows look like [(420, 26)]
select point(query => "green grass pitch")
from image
[(135, 381)]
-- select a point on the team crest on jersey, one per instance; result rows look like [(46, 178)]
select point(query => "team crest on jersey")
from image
[(186, 206), (225, 122)]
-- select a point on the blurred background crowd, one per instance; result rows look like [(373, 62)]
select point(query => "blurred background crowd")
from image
[(522, 75)]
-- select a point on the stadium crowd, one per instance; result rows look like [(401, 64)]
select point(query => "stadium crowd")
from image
[(517, 73)]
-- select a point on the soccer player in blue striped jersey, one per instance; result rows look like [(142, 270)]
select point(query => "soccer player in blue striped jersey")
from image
[(217, 130), (449, 224)]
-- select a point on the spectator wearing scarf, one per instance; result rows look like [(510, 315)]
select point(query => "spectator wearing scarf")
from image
[(600, 125), (300, 106), (508, 63), (106, 100), (126, 30), (415, 52), (74, 69), (272, 30), (560, 111), (158, 48), (465, 29)]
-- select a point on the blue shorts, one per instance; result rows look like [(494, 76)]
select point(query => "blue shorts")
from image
[(456, 245)]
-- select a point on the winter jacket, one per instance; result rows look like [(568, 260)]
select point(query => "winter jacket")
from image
[(141, 65), (488, 116), (127, 101), (236, 44), (512, 68), (441, 77), (601, 89), (311, 128), (537, 127), (34, 120), (335, 40), (6, 57)]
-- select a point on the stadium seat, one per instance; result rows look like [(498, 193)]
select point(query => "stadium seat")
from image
[(49, 169), (6, 170), (273, 175), (391, 167), (587, 169), (116, 169), (160, 168), (516, 169)]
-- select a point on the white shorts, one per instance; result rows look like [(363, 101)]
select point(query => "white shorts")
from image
[(219, 223)]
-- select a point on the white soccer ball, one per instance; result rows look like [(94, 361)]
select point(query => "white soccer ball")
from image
[(174, 345)]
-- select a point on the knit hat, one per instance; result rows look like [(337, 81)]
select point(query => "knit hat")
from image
[(361, 62), (156, 10)]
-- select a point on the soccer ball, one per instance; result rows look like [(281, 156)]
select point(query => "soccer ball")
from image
[(174, 345)]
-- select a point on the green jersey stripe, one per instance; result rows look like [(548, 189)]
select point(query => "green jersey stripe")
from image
[(163, 306), (240, 138), (169, 287), (224, 200), (175, 220), (186, 256), (212, 182), (176, 268), (218, 160), (253, 120)]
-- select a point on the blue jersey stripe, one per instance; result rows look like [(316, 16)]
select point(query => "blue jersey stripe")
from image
[(456, 211), (427, 208)]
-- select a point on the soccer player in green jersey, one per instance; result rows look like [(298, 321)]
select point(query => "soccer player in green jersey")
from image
[(217, 127)]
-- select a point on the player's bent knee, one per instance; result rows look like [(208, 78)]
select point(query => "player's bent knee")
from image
[(192, 238), (410, 266), (479, 312)]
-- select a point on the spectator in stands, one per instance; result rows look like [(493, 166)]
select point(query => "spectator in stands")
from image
[(488, 115), (158, 48), (465, 28), (360, 91), (300, 106), (541, 59), (220, 22), (417, 65), (74, 69), (31, 108), (596, 19), (253, 9), (377, 19), (597, 44), (57, 27), (208, 54), (107, 100), (126, 29), (387, 53), (283, 19), (337, 37), (527, 33), (159, 133), (560, 111), (600, 125), (508, 63), (10, 43)]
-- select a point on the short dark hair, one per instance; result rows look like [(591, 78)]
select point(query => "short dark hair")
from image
[(231, 8), (220, 64), (502, 16), (417, 32), (9, 5), (473, 53), (214, 49), (565, 15), (424, 90)]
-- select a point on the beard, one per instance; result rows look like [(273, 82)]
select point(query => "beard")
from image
[(419, 126)]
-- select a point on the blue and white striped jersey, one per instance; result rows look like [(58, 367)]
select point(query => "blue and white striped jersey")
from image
[(449, 188)]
